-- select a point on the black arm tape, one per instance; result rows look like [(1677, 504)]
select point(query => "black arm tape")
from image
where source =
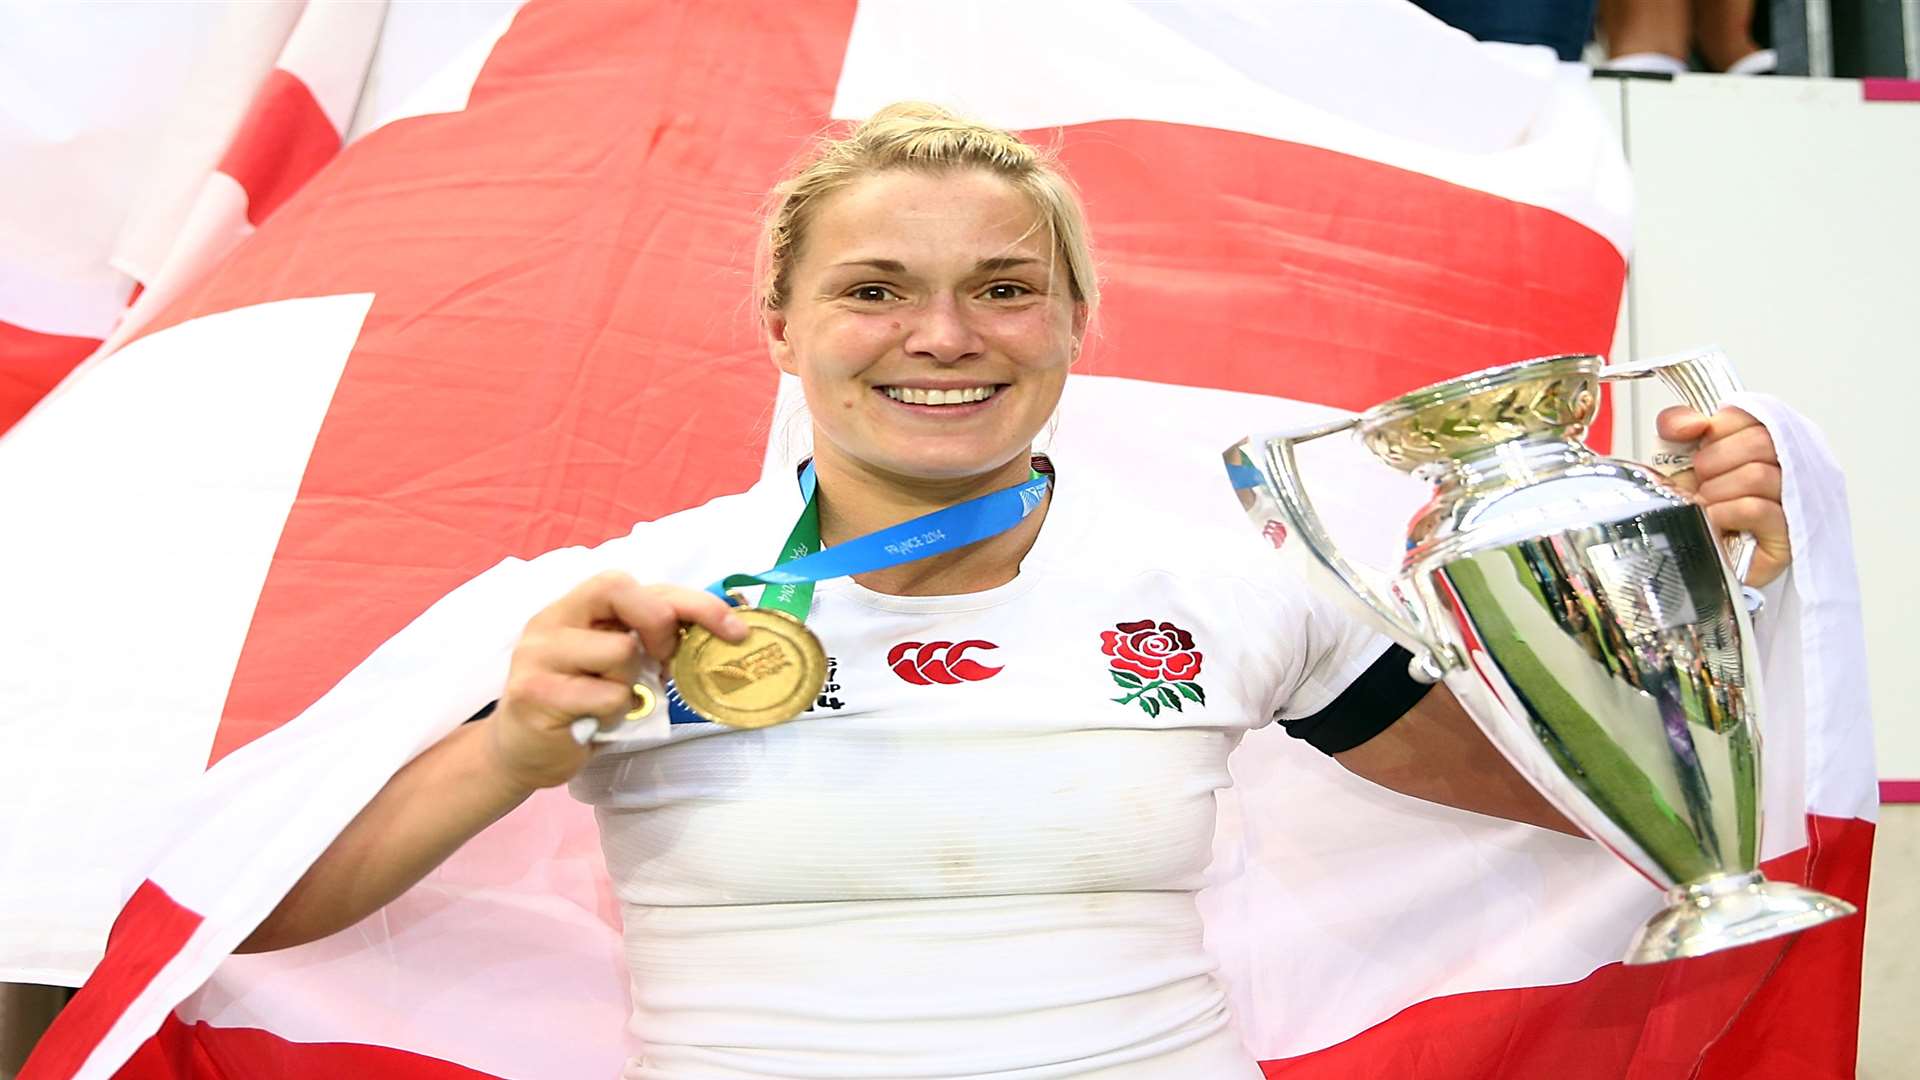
[(1368, 706), (485, 711)]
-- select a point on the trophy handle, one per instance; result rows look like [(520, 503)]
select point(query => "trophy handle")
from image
[(1703, 379), (1271, 457)]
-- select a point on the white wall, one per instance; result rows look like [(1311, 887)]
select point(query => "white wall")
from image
[(1780, 218)]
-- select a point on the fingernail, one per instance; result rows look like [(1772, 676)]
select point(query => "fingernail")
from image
[(734, 625)]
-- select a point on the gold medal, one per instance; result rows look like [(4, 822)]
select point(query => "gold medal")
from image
[(768, 678)]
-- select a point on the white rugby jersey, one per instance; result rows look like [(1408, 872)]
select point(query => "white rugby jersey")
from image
[(977, 854)]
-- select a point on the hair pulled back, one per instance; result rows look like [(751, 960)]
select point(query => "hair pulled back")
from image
[(917, 135)]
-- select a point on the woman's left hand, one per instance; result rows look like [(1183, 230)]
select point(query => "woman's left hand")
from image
[(1736, 476)]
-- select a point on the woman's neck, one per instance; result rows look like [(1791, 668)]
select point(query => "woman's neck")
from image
[(857, 499)]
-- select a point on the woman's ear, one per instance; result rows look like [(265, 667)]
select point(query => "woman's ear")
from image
[(778, 348), (1081, 316)]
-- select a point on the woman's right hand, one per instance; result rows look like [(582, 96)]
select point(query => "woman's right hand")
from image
[(580, 657)]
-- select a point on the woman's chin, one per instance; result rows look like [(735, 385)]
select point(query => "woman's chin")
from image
[(951, 464)]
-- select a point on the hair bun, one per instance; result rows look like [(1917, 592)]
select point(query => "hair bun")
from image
[(914, 110)]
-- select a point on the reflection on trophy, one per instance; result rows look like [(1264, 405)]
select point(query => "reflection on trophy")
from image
[(1586, 615)]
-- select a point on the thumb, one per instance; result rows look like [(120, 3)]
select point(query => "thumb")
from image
[(1678, 423)]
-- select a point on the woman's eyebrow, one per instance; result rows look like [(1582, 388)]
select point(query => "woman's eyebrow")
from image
[(991, 264), (889, 266)]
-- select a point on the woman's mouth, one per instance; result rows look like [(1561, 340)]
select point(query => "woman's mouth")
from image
[(943, 397)]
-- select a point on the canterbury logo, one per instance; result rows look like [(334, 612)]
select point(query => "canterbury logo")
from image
[(940, 662)]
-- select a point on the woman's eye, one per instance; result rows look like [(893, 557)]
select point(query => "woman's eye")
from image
[(1006, 290), (872, 294)]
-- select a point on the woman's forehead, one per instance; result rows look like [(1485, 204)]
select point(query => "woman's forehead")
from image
[(902, 215)]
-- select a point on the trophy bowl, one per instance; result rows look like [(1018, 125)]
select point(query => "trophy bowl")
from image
[(1586, 615)]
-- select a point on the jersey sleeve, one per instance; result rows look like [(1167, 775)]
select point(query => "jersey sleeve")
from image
[(1335, 682)]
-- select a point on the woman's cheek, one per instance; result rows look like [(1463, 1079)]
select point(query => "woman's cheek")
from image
[(861, 343), (1040, 338)]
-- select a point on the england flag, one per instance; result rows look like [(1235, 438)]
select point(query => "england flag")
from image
[(382, 300)]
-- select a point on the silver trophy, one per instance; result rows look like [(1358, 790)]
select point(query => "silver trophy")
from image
[(1586, 615)]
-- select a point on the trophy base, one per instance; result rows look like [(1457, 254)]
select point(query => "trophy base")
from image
[(1729, 910)]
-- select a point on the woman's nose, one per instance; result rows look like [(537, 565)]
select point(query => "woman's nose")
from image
[(940, 331)]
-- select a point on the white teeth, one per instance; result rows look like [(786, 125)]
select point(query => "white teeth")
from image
[(916, 396)]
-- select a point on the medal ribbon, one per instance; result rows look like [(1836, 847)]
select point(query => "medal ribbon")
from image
[(804, 561)]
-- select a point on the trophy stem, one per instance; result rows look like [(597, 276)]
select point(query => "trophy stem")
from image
[(1728, 910)]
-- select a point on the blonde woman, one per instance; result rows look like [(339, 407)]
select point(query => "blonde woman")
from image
[(976, 857)]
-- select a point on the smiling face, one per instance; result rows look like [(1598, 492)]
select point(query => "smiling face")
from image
[(931, 325)]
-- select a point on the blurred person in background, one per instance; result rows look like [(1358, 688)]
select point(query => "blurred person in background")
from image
[(1659, 36)]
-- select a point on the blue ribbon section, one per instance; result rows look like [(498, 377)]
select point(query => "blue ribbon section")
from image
[(677, 710), (927, 535), (930, 534)]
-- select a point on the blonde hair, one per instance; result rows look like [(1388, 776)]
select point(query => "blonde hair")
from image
[(916, 135)]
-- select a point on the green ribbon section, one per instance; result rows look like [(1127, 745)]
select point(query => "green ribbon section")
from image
[(795, 599)]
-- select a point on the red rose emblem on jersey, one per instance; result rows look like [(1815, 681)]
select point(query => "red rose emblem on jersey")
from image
[(1156, 662), (1152, 650)]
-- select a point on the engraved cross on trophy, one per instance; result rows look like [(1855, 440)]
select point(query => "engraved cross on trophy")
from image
[(1586, 615)]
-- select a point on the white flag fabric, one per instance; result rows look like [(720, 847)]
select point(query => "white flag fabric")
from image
[(138, 169), (510, 320)]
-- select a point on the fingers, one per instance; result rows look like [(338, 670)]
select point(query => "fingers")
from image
[(1682, 424), (590, 602), (1735, 455), (582, 654), (557, 698), (1678, 423), (578, 651), (1736, 476), (1721, 454), (654, 612), (1729, 420), (580, 657), (1754, 479), (1763, 518)]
